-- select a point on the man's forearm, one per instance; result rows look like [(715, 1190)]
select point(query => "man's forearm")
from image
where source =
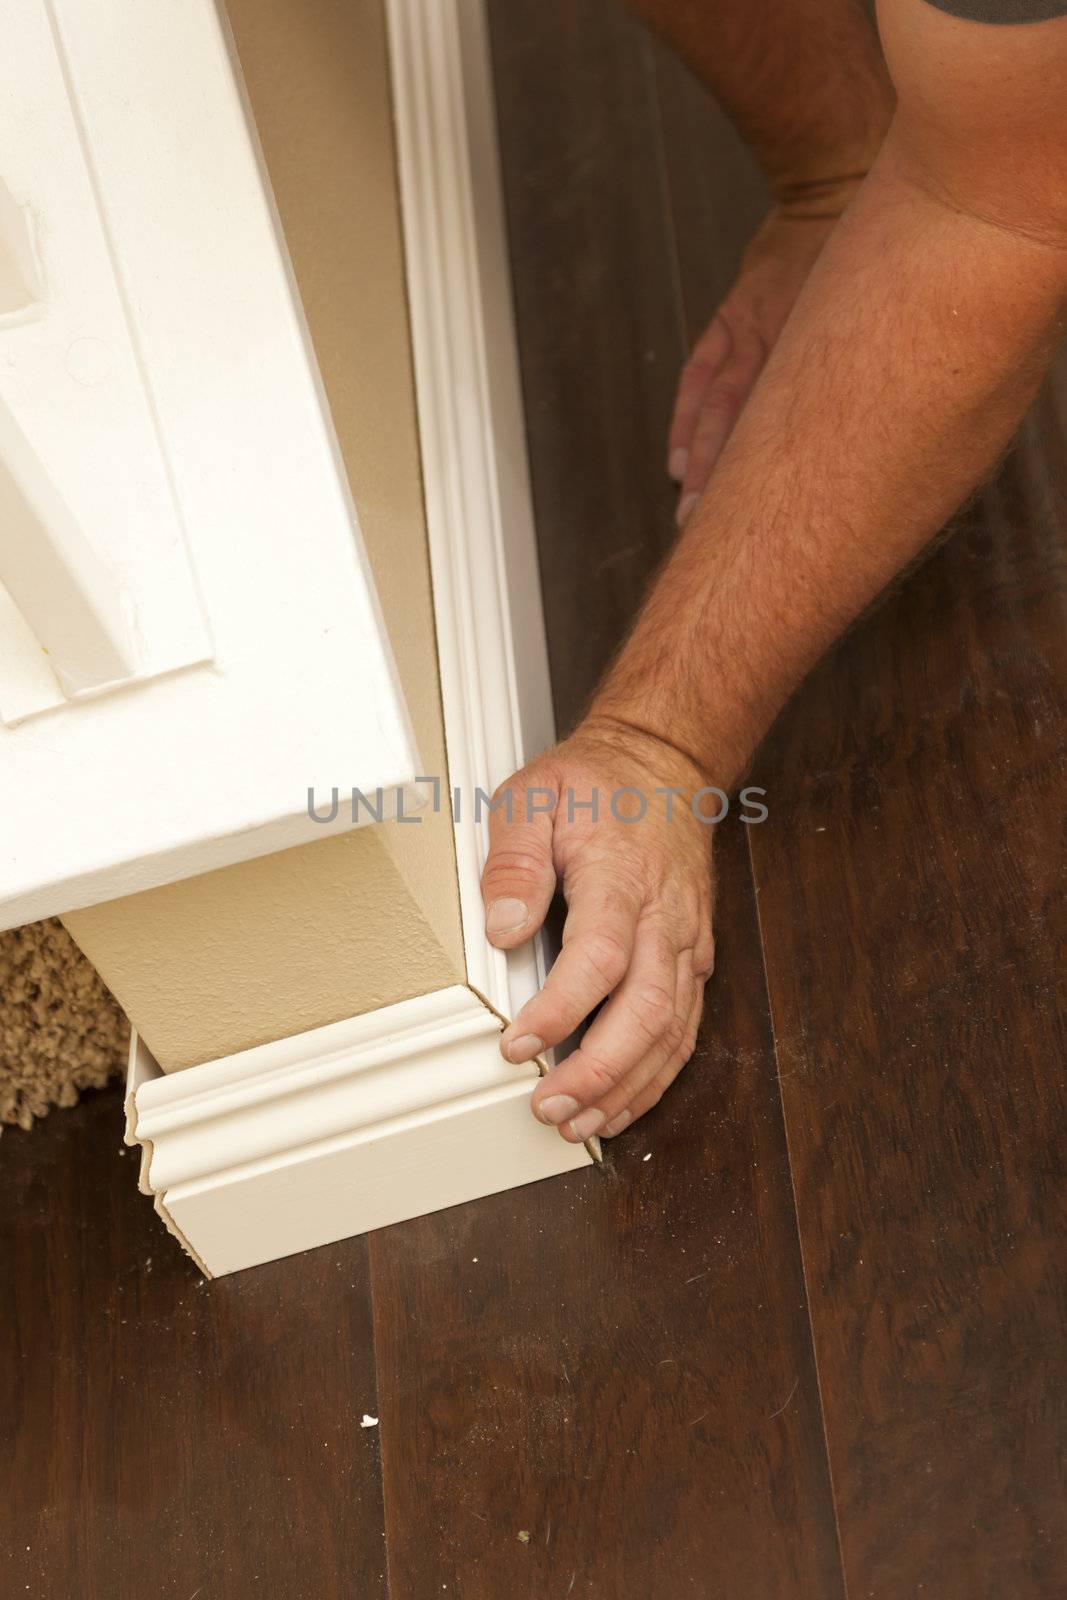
[(907, 363), (803, 80), (899, 376)]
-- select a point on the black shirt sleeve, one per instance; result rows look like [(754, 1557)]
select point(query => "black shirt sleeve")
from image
[(1003, 11)]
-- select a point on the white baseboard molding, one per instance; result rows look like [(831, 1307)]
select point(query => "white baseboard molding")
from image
[(337, 1131)]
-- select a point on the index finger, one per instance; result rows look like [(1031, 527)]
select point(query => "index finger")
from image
[(598, 942)]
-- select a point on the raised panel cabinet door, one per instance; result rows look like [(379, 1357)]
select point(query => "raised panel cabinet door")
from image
[(189, 637)]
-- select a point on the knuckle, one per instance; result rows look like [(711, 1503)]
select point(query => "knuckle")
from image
[(697, 370), (694, 921), (602, 1076), (674, 1033), (653, 1095), (509, 803), (722, 400), (715, 342), (515, 786), (655, 866), (514, 865), (616, 902), (754, 351), (552, 1024), (608, 956), (653, 1008), (688, 1042), (664, 928), (704, 957)]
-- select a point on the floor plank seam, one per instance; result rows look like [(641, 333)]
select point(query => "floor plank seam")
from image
[(796, 1220), (684, 345), (372, 1278), (666, 208)]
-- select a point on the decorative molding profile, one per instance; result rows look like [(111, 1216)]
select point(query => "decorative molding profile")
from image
[(333, 1132), (410, 1108), (483, 551)]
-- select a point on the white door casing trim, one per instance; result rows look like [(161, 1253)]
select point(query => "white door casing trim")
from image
[(483, 552), (410, 1108)]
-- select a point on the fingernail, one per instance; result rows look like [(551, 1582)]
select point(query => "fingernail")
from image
[(524, 1048), (679, 461), (557, 1108), (617, 1124), (505, 916), (685, 506), (584, 1126)]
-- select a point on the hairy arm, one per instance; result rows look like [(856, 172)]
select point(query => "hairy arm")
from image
[(910, 356), (905, 366), (805, 83)]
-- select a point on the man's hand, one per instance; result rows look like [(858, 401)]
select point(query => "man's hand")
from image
[(729, 355), (900, 376), (636, 874), (806, 86)]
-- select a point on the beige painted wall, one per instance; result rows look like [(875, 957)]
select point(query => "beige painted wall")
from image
[(268, 948)]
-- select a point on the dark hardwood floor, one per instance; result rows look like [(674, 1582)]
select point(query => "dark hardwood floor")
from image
[(805, 1336)]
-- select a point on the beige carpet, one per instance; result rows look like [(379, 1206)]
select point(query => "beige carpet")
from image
[(60, 1029)]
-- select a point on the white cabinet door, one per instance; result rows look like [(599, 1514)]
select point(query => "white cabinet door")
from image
[(189, 637)]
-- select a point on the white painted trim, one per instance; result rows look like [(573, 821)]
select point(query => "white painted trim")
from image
[(411, 1108), (171, 431), (20, 278), (66, 595), (333, 1132), (490, 629)]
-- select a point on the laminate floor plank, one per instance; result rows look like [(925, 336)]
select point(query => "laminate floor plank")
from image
[(912, 892), (913, 902), (593, 271), (716, 193), (160, 1435), (604, 1385)]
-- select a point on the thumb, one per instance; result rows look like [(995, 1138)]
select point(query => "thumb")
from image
[(519, 879)]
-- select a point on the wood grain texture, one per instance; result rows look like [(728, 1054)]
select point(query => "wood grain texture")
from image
[(161, 1435), (617, 1365), (716, 193), (626, 1374), (594, 281), (912, 900), (914, 914), (604, 1385)]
